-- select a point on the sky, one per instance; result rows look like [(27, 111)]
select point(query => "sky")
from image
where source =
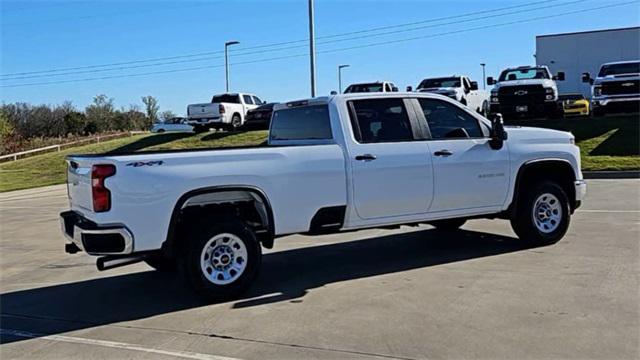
[(181, 42)]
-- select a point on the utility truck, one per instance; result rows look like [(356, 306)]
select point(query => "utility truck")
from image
[(331, 164), (525, 91)]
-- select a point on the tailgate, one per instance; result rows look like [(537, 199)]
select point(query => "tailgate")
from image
[(79, 182), (208, 110)]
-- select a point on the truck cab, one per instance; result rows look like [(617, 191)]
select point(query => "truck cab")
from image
[(459, 88), (616, 88), (525, 91)]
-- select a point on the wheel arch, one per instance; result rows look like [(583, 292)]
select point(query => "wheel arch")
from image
[(215, 195), (558, 170)]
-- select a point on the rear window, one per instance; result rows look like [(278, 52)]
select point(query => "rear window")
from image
[(303, 123), (226, 98)]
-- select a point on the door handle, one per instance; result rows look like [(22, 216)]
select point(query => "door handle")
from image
[(443, 152), (365, 157)]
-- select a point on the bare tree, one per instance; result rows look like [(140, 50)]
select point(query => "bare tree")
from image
[(151, 107)]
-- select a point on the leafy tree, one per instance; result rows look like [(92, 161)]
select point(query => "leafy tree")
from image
[(166, 115), (100, 114)]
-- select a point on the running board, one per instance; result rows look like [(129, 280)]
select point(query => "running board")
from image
[(114, 261)]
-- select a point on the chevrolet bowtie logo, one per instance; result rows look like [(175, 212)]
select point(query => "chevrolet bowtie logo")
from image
[(521, 92)]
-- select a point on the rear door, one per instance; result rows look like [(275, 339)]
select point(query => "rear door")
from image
[(391, 167), (468, 173)]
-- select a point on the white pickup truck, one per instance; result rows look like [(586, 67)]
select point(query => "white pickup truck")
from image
[(459, 88), (337, 163), (616, 88), (225, 111)]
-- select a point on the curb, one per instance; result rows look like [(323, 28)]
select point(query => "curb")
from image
[(633, 174)]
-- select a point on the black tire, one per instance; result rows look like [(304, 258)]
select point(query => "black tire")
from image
[(523, 222), (198, 129), (236, 121), (161, 263), (161, 131), (190, 261), (598, 112), (448, 224)]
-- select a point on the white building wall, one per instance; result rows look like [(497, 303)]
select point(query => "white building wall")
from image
[(575, 53)]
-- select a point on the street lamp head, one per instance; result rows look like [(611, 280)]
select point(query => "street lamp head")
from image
[(343, 66), (482, 64), (231, 43)]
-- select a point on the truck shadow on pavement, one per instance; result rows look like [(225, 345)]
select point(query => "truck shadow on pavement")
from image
[(285, 276)]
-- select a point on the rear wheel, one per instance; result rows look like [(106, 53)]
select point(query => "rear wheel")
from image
[(543, 214), (448, 224), (221, 260), (236, 121)]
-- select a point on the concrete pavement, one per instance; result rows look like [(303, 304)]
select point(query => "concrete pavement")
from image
[(408, 293)]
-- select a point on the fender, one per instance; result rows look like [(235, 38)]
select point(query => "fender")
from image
[(168, 244), (511, 210)]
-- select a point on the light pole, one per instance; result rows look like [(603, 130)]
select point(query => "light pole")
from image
[(484, 80), (226, 62), (312, 50), (340, 67)]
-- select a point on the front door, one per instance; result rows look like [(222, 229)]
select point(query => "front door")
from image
[(391, 170), (468, 173)]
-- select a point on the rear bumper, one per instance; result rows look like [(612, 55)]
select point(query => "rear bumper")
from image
[(94, 239)]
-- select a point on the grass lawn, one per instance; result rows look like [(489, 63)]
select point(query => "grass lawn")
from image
[(49, 168), (607, 143), (610, 143)]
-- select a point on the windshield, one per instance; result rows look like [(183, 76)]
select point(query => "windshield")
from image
[(524, 73), (363, 88), (440, 82), (619, 69)]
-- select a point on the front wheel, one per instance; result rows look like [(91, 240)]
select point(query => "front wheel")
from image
[(221, 259), (542, 215)]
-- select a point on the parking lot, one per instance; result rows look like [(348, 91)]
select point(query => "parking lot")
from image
[(408, 293)]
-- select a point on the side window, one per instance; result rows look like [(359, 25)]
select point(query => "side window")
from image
[(257, 100), (466, 83), (380, 120), (301, 123), (247, 99), (447, 121), (387, 88)]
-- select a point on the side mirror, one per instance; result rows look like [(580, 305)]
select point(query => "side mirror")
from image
[(409, 88), (498, 134), (264, 102), (474, 85), (559, 76), (491, 81), (394, 89), (586, 78), (333, 92)]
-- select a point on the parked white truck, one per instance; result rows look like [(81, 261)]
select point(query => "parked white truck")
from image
[(331, 164), (459, 88), (616, 88), (525, 91), (225, 111)]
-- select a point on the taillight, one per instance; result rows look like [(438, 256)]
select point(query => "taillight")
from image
[(221, 109), (101, 195)]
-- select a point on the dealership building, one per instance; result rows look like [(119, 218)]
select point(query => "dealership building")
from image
[(579, 52)]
